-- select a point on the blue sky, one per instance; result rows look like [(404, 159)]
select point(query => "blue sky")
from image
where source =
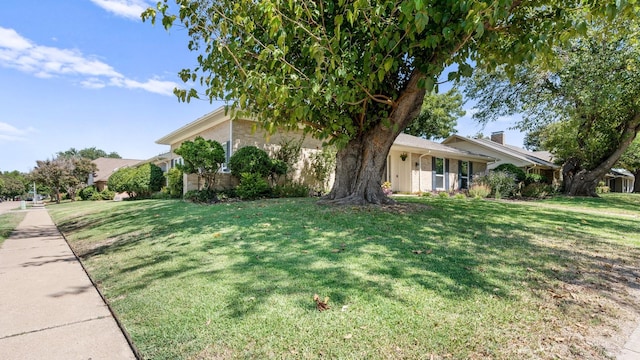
[(85, 73)]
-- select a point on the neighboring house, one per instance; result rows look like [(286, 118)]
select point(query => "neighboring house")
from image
[(417, 165), (620, 180), (427, 166), (106, 167), (531, 162)]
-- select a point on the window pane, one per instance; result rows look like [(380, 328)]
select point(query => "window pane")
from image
[(464, 168), (439, 182), (440, 166), (464, 183)]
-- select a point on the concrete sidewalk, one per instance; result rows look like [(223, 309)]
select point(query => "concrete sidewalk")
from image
[(49, 308)]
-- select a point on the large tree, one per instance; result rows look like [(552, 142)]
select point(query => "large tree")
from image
[(68, 174), (13, 184), (586, 111), (438, 116), (355, 73)]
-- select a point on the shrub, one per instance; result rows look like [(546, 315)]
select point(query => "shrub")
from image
[(602, 188), (252, 160), (502, 183), (96, 196), (460, 196), (120, 181), (87, 192), (443, 194), (518, 173), (536, 190), (147, 179), (174, 182), (201, 196), (252, 186), (291, 190), (534, 179), (107, 194), (323, 163), (478, 191), (427, 194)]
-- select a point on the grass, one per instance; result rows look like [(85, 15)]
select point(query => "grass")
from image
[(431, 278), (8, 222)]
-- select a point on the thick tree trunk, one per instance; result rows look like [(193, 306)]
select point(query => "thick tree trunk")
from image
[(360, 164), (636, 183), (583, 182)]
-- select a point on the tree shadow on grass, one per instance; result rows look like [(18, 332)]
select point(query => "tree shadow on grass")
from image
[(283, 247)]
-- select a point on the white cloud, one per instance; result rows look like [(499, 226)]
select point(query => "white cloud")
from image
[(45, 62), (130, 9), (10, 133)]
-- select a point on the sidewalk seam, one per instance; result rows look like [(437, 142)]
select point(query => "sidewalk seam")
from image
[(54, 327)]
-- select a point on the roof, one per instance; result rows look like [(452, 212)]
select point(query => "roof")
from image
[(195, 127), (622, 173), (509, 150), (418, 144), (107, 166)]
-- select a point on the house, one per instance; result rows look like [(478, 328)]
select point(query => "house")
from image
[(106, 167), (413, 164), (417, 165), (232, 134), (531, 162), (620, 180)]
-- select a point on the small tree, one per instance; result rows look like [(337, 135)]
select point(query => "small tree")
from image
[(289, 153), (203, 157)]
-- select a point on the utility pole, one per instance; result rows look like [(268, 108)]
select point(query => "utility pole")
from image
[(34, 193)]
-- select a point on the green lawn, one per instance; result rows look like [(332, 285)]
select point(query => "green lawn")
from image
[(8, 222), (432, 278)]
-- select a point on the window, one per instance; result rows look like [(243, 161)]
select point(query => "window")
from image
[(227, 155), (464, 174), (439, 170)]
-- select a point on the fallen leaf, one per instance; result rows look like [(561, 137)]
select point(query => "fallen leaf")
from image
[(344, 308), (217, 235), (321, 305), (348, 336)]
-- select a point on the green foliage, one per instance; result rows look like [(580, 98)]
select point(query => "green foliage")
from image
[(323, 164), (438, 116), (291, 190), (584, 109), (147, 179), (96, 196), (252, 186), (459, 196), (138, 182), (630, 160), (535, 178), (518, 173), (91, 153), (203, 157), (204, 196), (175, 182), (536, 190), (479, 191), (443, 194), (502, 183), (602, 188), (107, 194), (122, 180), (87, 192), (289, 153), (14, 184), (250, 159), (340, 70)]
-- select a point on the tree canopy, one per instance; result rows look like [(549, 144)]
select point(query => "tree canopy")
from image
[(438, 116), (355, 73), (585, 111), (91, 153), (68, 174), (203, 157)]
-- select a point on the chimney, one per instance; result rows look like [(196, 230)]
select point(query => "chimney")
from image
[(498, 137)]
